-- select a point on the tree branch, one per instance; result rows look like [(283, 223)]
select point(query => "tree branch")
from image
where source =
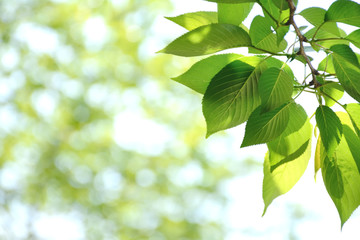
[(302, 39)]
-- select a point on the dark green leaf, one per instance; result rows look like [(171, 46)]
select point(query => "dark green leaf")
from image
[(232, 94), (208, 39), (264, 127), (347, 69), (201, 73), (344, 11), (275, 88), (194, 20), (330, 128)]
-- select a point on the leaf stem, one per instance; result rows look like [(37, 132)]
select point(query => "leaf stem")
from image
[(302, 39), (328, 39), (272, 53)]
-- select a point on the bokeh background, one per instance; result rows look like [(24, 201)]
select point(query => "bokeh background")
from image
[(96, 141)]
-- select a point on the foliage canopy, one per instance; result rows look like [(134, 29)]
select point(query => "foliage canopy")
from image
[(261, 90)]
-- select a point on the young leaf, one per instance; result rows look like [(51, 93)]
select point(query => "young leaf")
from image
[(264, 127), (341, 175), (353, 109), (194, 20), (233, 13), (208, 39), (293, 142), (354, 38), (330, 128), (263, 38), (332, 91), (344, 11), (275, 88), (347, 69), (200, 74), (284, 177), (232, 94)]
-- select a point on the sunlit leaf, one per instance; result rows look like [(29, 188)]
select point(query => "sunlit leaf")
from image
[(354, 38), (234, 13), (341, 175), (284, 177), (208, 39), (201, 73), (293, 142), (330, 128), (327, 65), (333, 91), (194, 20), (316, 16), (353, 109), (344, 11), (264, 127), (275, 88), (263, 37)]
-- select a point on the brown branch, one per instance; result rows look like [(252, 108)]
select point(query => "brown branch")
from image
[(302, 39)]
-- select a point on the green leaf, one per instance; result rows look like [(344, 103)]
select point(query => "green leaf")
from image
[(344, 11), (341, 175), (200, 74), (319, 155), (283, 4), (281, 32), (330, 128), (327, 65), (275, 88), (353, 109), (262, 36), (293, 142), (316, 16), (233, 13), (232, 94), (330, 36), (354, 38), (208, 39), (347, 69), (194, 20), (270, 8), (284, 177), (332, 89), (264, 127), (231, 1)]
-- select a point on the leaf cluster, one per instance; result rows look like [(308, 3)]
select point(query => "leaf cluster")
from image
[(261, 90)]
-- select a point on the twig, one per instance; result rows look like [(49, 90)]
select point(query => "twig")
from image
[(302, 39)]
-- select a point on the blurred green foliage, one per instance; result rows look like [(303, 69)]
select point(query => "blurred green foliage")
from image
[(92, 129)]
